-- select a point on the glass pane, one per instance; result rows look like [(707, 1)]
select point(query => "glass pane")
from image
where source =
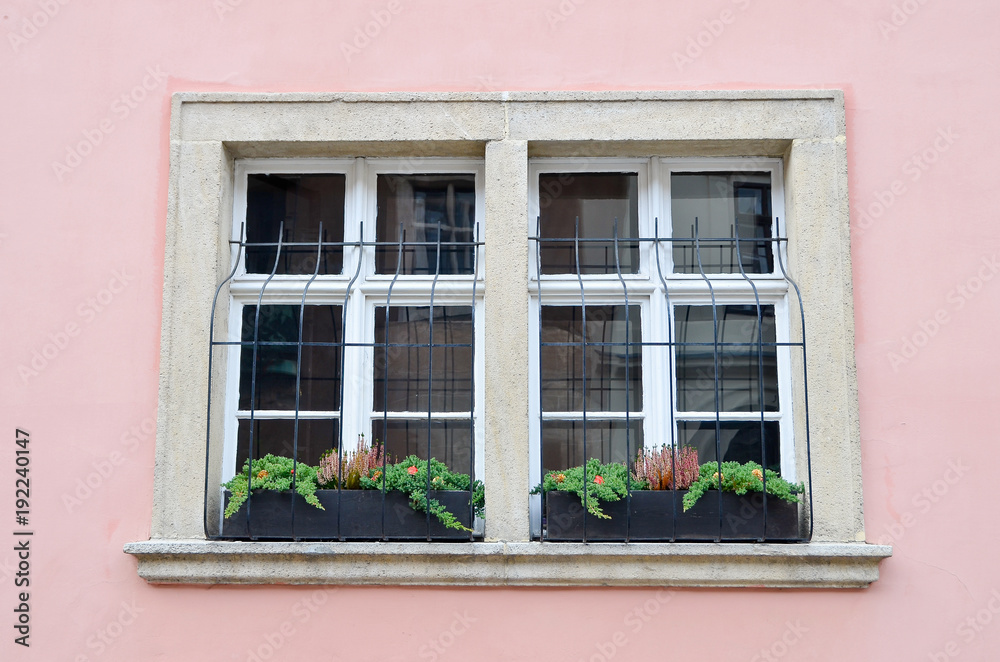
[(451, 441), (302, 202), (562, 442), (428, 207), (597, 200), (276, 437), (739, 440), (717, 199), (608, 388), (412, 377), (277, 353), (740, 359)]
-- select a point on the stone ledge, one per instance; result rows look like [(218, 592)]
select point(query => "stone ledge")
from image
[(811, 565)]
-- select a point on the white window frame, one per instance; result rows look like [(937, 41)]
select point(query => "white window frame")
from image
[(646, 292), (211, 132), (368, 292)]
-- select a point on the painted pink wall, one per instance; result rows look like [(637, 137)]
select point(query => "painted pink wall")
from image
[(63, 237)]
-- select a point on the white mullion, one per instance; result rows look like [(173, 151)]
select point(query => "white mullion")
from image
[(786, 426)]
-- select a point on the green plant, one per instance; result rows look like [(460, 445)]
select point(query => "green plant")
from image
[(666, 468), (272, 472), (349, 469), (409, 476), (740, 478), (600, 483)]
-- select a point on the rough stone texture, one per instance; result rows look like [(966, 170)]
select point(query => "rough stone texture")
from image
[(209, 130), (506, 378), (829, 565)]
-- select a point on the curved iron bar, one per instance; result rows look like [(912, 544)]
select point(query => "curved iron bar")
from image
[(211, 352), (298, 370), (385, 375), (671, 380), (805, 376), (715, 356), (583, 374), (628, 422)]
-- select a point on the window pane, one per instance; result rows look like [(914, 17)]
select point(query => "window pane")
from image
[(716, 199), (302, 202), (277, 353), (276, 437), (562, 358), (451, 441), (740, 359), (428, 207), (597, 200), (739, 441), (412, 377), (562, 442)]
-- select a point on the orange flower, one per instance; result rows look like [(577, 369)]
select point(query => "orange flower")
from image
[(758, 473), (412, 471), (598, 480), (262, 474), (560, 478)]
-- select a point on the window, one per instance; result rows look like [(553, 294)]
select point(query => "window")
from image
[(352, 312), (655, 334), (633, 144)]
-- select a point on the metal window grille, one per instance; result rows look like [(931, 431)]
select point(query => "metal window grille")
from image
[(381, 515), (659, 516)]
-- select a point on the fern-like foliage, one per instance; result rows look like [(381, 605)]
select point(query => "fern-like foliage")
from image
[(600, 482), (409, 476), (348, 470), (272, 472), (740, 478), (667, 468)]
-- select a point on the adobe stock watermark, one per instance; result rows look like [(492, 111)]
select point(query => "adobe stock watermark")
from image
[(901, 14), (782, 645), (439, 645), (698, 43), (60, 339), (924, 502), (969, 629), (101, 640), (913, 168), (635, 620), (105, 467), (223, 7), (118, 111), (32, 24), (373, 29), (275, 640), (955, 300), (563, 11)]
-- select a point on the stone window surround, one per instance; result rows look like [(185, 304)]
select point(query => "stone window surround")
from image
[(210, 131)]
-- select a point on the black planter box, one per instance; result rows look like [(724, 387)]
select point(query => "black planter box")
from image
[(658, 516), (358, 512)]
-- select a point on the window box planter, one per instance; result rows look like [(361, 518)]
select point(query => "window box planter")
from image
[(359, 514), (658, 516)]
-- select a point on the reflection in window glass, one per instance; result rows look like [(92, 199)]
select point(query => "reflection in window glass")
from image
[(450, 441), (429, 208), (740, 359), (301, 202), (277, 437), (277, 356), (409, 376), (562, 442), (722, 202), (739, 441), (562, 359), (596, 201)]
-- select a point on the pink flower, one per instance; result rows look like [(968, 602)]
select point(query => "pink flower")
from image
[(598, 480), (412, 471)]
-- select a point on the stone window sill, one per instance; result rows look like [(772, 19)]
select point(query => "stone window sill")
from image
[(808, 565)]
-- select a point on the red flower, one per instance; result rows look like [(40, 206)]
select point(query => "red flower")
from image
[(412, 471), (598, 480)]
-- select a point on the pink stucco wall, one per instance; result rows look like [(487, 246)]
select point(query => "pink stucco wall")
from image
[(81, 262)]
